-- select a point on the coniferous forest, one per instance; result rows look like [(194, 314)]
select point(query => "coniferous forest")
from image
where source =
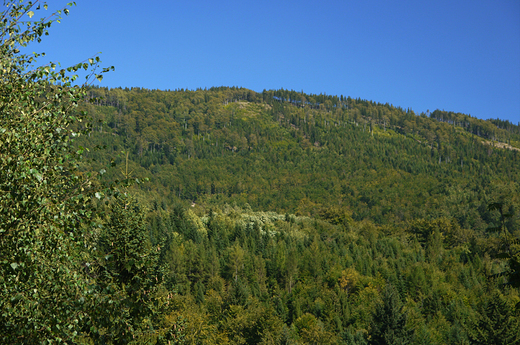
[(229, 216)]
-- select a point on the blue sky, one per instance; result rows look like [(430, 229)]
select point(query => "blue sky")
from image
[(461, 56)]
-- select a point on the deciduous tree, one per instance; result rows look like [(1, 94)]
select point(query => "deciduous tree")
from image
[(44, 199)]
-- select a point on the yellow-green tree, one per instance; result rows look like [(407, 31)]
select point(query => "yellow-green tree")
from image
[(44, 200)]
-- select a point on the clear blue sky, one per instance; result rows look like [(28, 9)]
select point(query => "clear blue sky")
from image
[(461, 56)]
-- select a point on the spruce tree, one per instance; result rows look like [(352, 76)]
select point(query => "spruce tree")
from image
[(389, 320), (498, 323), (129, 300)]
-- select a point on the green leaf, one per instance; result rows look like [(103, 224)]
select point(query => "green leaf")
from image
[(14, 265), (30, 14)]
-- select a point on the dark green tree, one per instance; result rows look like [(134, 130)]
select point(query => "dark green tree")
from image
[(498, 323), (127, 303), (510, 246), (389, 320)]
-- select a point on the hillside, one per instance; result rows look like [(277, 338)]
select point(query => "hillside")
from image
[(291, 152), (272, 218), (264, 218), (291, 218)]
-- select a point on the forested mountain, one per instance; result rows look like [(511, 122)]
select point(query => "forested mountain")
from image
[(290, 152), (291, 218), (267, 218)]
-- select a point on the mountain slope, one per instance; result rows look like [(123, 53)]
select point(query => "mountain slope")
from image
[(289, 218), (298, 153)]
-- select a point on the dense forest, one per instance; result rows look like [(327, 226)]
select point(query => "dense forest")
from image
[(229, 216), (294, 218), (284, 151)]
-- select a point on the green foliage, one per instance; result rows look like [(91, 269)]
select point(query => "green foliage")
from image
[(287, 152), (51, 291), (510, 246), (127, 279), (374, 221), (498, 323), (360, 204), (389, 324), (310, 330), (318, 282), (43, 197)]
